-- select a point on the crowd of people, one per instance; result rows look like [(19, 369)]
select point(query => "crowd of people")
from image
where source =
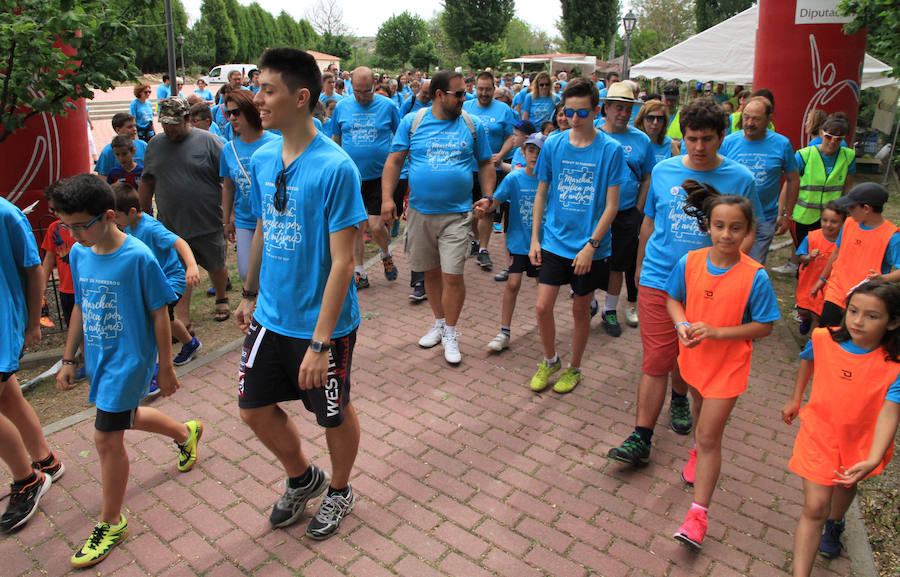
[(597, 186)]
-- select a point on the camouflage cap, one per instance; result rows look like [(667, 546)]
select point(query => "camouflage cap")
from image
[(173, 109)]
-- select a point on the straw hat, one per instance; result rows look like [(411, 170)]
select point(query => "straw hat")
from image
[(620, 92)]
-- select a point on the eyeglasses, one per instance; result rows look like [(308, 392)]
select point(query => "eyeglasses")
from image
[(80, 227), (830, 136), (543, 84), (654, 118), (280, 198), (146, 92), (456, 93), (233, 112), (581, 112)]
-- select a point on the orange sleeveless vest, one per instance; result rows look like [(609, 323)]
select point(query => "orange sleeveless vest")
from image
[(847, 394), (718, 369), (812, 270), (861, 251)]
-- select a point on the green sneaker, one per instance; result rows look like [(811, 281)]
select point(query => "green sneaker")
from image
[(101, 543), (568, 381), (187, 453), (680, 412), (633, 451), (539, 380)]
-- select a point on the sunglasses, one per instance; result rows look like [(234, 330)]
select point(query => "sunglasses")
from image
[(233, 112), (654, 118), (456, 93), (542, 84), (280, 198), (146, 92), (830, 136), (80, 227), (581, 112)]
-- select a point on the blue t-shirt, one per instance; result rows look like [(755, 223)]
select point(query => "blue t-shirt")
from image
[(142, 112), (828, 161), (539, 110), (162, 91), (518, 189), (19, 252), (161, 242), (891, 255), (366, 132), (497, 119), (576, 197), (107, 159), (132, 177), (674, 232), (661, 151), (762, 306), (470, 96), (639, 161), (204, 94), (323, 197), (214, 128), (323, 98), (412, 104), (768, 159), (219, 117), (893, 392), (441, 155), (519, 98), (518, 158), (230, 167), (116, 293)]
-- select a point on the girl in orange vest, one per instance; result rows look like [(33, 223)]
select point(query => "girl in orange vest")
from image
[(720, 300), (814, 251), (849, 422)]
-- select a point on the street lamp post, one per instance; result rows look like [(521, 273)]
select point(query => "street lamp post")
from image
[(181, 47), (628, 21), (440, 47)]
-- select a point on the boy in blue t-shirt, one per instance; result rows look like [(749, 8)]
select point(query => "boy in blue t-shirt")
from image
[(120, 313), (23, 448), (580, 171), (127, 170), (518, 189), (170, 252)]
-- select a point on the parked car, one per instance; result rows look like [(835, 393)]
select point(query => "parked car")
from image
[(219, 74)]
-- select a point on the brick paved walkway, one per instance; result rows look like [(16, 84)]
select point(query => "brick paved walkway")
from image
[(462, 471)]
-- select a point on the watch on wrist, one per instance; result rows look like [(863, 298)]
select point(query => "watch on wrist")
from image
[(594, 243), (318, 346)]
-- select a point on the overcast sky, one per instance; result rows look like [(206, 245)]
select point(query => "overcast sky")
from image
[(365, 16)]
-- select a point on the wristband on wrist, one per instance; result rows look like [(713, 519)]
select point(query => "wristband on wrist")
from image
[(823, 279), (249, 295), (489, 197), (68, 362), (685, 323)]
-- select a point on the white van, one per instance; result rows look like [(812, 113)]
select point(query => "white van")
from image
[(219, 74)]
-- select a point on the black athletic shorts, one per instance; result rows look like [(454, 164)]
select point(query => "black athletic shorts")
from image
[(558, 271), (476, 188), (270, 365), (831, 316), (522, 264), (67, 300), (626, 228), (371, 195), (171, 306), (106, 422)]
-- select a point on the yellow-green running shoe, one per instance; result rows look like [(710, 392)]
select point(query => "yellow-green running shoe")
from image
[(101, 543), (568, 380), (187, 453), (539, 380)]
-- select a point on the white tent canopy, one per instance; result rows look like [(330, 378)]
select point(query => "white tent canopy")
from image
[(733, 42), (559, 61)]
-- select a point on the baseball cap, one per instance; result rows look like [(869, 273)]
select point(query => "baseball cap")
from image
[(670, 91), (536, 139), (173, 109), (870, 193), (525, 126)]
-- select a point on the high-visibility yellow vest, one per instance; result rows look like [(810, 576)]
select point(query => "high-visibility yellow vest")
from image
[(818, 188)]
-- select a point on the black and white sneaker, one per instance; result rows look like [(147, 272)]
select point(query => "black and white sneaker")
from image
[(290, 506), (23, 501), (334, 508)]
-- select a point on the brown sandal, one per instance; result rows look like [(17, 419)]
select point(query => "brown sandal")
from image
[(222, 315)]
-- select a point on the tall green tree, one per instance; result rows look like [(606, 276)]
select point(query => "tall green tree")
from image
[(588, 26), (239, 17), (469, 21), (711, 12), (36, 76), (882, 18), (424, 55), (673, 21), (335, 45), (216, 18), (150, 48), (398, 35), (523, 39), (484, 54)]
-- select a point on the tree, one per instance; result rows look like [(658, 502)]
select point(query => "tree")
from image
[(523, 39), (216, 18), (339, 46), (423, 55), (589, 24), (151, 48), (672, 20), (37, 76), (711, 12), (469, 21), (484, 54), (882, 19), (398, 35), (327, 17)]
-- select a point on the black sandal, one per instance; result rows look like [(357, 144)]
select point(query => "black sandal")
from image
[(222, 315)]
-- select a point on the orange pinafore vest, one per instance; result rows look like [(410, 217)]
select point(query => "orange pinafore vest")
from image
[(811, 271), (861, 252), (838, 422), (718, 369)]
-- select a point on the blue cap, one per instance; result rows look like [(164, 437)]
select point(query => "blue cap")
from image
[(525, 126), (537, 139)]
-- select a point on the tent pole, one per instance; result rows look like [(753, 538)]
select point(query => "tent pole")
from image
[(890, 158)]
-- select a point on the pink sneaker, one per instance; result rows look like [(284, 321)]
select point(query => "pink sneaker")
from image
[(687, 474), (693, 530)]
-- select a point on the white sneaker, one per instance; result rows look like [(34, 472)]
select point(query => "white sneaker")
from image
[(631, 316), (787, 268), (451, 348), (500, 342), (432, 337)]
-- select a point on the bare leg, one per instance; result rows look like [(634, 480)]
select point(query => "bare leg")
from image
[(816, 507), (453, 296), (546, 298), (219, 280), (651, 397), (678, 383), (12, 450), (510, 294), (616, 278), (180, 332), (484, 228), (582, 326), (840, 502), (343, 444), (708, 437), (275, 429), (155, 421), (14, 407), (114, 468), (379, 233), (434, 289), (183, 308)]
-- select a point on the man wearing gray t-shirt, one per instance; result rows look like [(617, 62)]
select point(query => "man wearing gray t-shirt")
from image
[(181, 167)]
